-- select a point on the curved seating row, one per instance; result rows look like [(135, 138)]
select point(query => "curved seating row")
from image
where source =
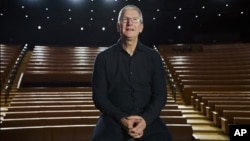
[(50, 106), (214, 79)]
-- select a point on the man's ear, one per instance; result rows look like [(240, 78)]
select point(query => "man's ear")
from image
[(141, 28), (118, 27)]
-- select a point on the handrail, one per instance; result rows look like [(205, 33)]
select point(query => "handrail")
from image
[(169, 77), (13, 72)]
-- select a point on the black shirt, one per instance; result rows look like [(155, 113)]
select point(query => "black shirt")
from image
[(126, 85)]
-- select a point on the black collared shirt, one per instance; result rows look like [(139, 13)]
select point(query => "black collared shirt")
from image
[(126, 85)]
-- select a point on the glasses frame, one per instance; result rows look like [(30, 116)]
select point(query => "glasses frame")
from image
[(133, 20)]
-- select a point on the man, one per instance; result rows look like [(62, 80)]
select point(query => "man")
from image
[(129, 86)]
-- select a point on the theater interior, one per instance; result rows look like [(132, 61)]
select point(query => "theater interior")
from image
[(48, 49)]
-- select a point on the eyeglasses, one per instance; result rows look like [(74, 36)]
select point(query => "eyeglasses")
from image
[(133, 20)]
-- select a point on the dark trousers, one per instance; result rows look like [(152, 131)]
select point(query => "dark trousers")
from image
[(108, 129)]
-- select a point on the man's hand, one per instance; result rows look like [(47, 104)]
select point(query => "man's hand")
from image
[(127, 123), (135, 125)]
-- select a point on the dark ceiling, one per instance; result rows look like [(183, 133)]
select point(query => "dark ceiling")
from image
[(93, 22)]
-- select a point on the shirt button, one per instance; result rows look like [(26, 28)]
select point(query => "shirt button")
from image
[(131, 73)]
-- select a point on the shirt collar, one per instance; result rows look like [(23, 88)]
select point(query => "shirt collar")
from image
[(139, 46)]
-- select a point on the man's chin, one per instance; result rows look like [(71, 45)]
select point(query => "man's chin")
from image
[(129, 37)]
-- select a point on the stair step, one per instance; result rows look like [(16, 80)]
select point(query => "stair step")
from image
[(184, 107), (206, 129), (190, 111), (199, 122), (194, 116), (210, 137)]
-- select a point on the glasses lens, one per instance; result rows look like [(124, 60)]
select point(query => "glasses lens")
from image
[(133, 20)]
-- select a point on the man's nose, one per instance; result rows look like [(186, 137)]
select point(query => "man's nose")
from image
[(129, 21)]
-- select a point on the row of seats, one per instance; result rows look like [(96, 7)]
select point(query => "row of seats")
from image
[(9, 54), (214, 79), (223, 108), (49, 109), (198, 70), (51, 66), (50, 106)]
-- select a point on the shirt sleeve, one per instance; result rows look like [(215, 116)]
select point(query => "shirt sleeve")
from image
[(159, 91), (100, 92)]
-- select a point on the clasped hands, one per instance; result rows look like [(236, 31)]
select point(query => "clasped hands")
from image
[(134, 125)]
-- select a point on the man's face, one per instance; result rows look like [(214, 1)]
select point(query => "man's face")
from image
[(130, 25)]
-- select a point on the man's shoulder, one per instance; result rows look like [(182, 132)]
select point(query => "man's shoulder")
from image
[(108, 50)]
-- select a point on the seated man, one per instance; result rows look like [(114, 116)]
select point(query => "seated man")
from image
[(129, 86)]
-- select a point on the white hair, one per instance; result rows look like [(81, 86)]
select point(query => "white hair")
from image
[(129, 7)]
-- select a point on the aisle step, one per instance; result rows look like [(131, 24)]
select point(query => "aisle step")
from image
[(185, 107), (206, 129), (194, 116), (211, 137), (199, 122), (190, 111)]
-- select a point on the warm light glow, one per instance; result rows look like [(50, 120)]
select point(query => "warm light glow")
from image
[(39, 27)]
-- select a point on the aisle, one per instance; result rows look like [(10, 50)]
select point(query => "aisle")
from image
[(203, 129)]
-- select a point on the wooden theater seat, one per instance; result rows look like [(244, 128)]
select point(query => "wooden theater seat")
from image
[(179, 132), (50, 107), (196, 96), (228, 118), (204, 102), (58, 113), (8, 57), (48, 133), (65, 107), (49, 121), (242, 120), (76, 120), (188, 89), (56, 79), (67, 113), (38, 103), (217, 113)]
